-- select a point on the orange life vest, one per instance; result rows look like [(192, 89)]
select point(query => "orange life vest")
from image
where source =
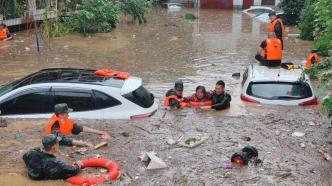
[(65, 128), (168, 98), (273, 50), (199, 103), (270, 26), (3, 33), (312, 55)]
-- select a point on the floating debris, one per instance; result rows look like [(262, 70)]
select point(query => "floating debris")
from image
[(102, 144)]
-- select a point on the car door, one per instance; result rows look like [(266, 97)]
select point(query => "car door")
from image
[(81, 100), (28, 103)]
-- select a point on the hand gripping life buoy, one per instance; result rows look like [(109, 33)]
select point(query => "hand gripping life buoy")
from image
[(199, 103), (113, 172), (110, 72)]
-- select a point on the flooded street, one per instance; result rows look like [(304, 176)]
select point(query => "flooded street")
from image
[(199, 52)]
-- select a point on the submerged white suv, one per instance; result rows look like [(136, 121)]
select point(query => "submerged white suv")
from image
[(278, 86), (89, 95)]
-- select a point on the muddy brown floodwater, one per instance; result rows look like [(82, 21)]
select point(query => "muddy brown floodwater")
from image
[(199, 52)]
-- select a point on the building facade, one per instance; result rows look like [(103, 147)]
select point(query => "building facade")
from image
[(239, 4)]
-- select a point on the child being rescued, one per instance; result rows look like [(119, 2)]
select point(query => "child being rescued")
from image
[(4, 33)]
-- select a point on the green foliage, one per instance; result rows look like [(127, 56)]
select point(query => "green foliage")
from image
[(292, 10), (323, 26), (137, 9), (94, 16), (323, 16), (52, 27), (307, 18), (324, 43), (316, 24), (190, 16), (323, 72), (327, 103)]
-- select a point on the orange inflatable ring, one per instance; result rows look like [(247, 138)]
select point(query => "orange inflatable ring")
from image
[(110, 72), (199, 104), (104, 72), (113, 172)]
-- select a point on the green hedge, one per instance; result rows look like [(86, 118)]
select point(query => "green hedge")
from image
[(307, 18), (316, 24)]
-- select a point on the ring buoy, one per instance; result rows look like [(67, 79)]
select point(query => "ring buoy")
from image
[(110, 72), (167, 100), (104, 72), (199, 103), (113, 172)]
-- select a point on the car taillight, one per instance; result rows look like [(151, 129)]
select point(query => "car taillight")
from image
[(310, 102), (142, 116), (245, 98)]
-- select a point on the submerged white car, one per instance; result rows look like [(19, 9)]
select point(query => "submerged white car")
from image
[(261, 13), (257, 10), (90, 96), (278, 86)]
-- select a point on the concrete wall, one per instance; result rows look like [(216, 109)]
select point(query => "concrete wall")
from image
[(217, 4), (237, 4)]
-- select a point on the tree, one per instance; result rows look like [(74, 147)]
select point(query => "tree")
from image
[(307, 18), (292, 10)]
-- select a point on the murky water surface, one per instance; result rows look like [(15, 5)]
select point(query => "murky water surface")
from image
[(199, 52)]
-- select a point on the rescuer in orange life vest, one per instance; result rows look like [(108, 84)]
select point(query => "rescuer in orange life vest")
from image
[(62, 125), (312, 59), (276, 25), (174, 96), (270, 52), (4, 32)]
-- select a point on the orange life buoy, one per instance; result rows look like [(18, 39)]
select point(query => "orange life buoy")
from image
[(113, 172), (168, 98), (199, 104), (121, 75), (104, 72), (110, 72)]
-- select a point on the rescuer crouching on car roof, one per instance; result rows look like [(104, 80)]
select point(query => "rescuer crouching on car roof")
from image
[(43, 164), (61, 125), (270, 51)]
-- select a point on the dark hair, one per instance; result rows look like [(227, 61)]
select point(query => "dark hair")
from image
[(200, 87), (221, 83)]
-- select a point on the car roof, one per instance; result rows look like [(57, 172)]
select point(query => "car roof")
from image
[(261, 73), (274, 8), (260, 7), (70, 75)]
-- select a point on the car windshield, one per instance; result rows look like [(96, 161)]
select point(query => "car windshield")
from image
[(279, 90)]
